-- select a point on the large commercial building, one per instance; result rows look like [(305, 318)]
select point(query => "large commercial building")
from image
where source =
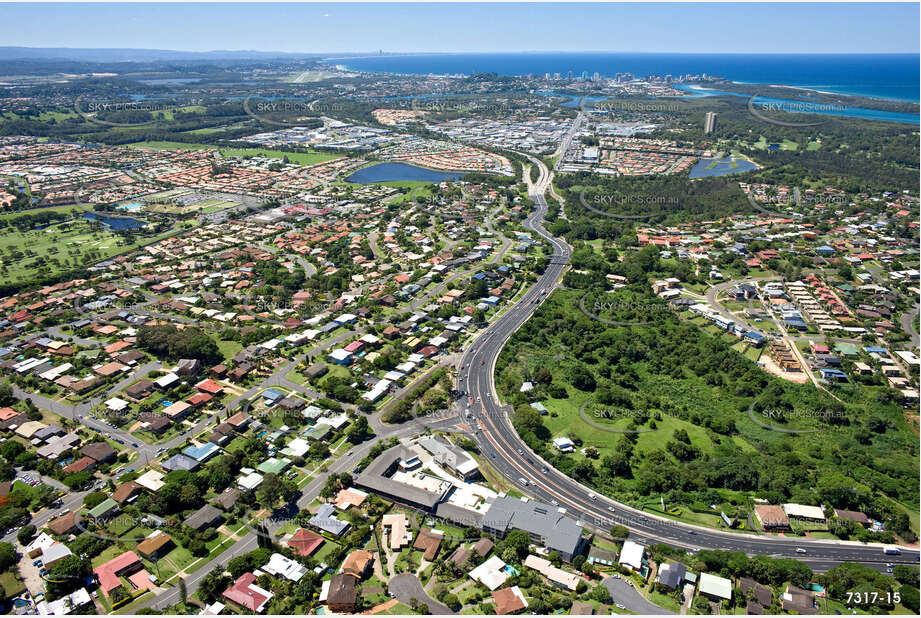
[(710, 122), (544, 524), (396, 475)]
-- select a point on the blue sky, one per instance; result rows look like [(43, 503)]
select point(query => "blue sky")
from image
[(324, 28)]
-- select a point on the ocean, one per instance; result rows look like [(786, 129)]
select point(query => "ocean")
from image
[(883, 76)]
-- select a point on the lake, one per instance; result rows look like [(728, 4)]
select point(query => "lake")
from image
[(400, 172), (706, 167), (115, 223)]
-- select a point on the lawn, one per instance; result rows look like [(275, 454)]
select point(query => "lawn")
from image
[(324, 551), (181, 557), (228, 349), (11, 584), (398, 610), (113, 551), (665, 601), (302, 158)]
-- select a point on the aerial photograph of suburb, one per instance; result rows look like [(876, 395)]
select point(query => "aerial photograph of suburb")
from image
[(460, 308)]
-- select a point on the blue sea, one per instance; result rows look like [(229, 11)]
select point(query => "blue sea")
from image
[(883, 76)]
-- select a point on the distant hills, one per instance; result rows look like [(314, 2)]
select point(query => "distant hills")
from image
[(140, 55)]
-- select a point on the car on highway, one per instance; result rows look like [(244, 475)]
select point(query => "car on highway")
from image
[(800, 550), (592, 496), (523, 481), (520, 452), (554, 503), (493, 455), (545, 469), (621, 606)]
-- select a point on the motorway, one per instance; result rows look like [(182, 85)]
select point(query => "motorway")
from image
[(512, 458)]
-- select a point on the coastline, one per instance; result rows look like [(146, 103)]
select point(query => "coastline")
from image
[(818, 85)]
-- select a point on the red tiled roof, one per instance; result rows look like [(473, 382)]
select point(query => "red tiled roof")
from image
[(107, 573), (209, 386), (305, 542), (241, 593)]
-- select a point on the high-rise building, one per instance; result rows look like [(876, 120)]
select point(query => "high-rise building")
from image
[(710, 122), (569, 75)]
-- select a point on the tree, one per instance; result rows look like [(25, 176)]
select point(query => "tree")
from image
[(359, 431), (702, 605), (213, 584), (7, 556), (452, 601), (601, 594), (66, 575), (198, 548), (25, 534), (910, 597), (6, 394), (11, 449), (518, 541), (183, 593)]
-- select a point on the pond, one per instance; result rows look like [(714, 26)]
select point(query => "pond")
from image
[(115, 223), (720, 167), (394, 172)]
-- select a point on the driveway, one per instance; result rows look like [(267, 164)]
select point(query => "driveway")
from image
[(407, 586), (627, 595)]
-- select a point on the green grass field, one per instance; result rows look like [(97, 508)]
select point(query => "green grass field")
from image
[(11, 584), (35, 211), (228, 348), (65, 245), (302, 158)]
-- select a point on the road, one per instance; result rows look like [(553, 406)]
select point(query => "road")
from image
[(567, 139), (407, 586), (906, 322), (630, 598), (515, 461)]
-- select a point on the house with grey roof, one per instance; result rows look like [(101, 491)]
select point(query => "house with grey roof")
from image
[(205, 517), (326, 520)]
